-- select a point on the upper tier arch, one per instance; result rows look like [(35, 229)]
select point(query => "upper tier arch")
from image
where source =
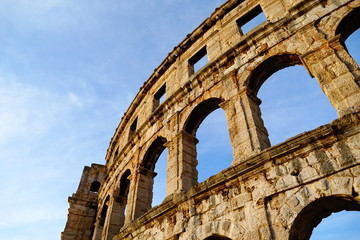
[(255, 54), (253, 189)]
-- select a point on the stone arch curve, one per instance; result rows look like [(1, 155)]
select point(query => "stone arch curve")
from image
[(344, 28), (268, 67), (238, 66), (311, 215), (223, 228), (153, 152), (124, 183), (117, 210), (199, 113), (145, 175), (194, 117), (217, 237)]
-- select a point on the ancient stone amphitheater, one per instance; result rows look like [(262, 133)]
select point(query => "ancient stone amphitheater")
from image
[(269, 192)]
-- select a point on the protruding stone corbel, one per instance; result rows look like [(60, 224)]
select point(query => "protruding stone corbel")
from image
[(147, 172)]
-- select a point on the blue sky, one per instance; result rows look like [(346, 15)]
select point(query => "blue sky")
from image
[(68, 71)]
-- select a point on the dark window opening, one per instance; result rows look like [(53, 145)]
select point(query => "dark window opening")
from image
[(116, 152), (133, 128), (198, 61), (104, 212), (349, 24), (159, 97), (250, 20), (119, 206), (95, 186), (124, 184), (349, 28), (217, 237)]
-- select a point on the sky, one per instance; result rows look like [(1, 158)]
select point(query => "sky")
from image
[(68, 71)]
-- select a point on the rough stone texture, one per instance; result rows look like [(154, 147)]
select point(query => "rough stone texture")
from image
[(83, 204), (279, 192)]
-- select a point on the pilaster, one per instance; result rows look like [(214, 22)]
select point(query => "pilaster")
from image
[(337, 74), (181, 170), (141, 193), (248, 134)]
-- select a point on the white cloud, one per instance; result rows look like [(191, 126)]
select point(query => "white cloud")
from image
[(28, 112), (24, 214), (74, 99)]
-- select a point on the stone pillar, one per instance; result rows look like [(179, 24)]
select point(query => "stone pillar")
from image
[(337, 74), (181, 168), (248, 134), (83, 205), (141, 194), (116, 216), (273, 9), (102, 221), (98, 230), (81, 219), (130, 199)]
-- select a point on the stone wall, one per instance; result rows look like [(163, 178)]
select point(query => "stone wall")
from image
[(267, 196), (268, 191), (83, 204)]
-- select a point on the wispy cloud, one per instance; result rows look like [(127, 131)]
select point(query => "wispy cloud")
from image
[(28, 112), (68, 71)]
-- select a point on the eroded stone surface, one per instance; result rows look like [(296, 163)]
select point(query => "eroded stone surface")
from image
[(278, 192)]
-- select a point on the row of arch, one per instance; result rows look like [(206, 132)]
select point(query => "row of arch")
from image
[(119, 208), (302, 227)]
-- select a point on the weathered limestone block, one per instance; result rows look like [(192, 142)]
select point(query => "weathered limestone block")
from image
[(307, 174), (286, 182), (278, 192), (340, 185), (240, 200)]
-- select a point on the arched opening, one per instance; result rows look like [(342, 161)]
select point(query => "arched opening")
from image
[(213, 152), (104, 211), (146, 179), (99, 230), (314, 213), (340, 225), (159, 189), (95, 186), (199, 113), (153, 153), (118, 210), (352, 44), (350, 33), (349, 24), (217, 237), (124, 184), (269, 67), (123, 197), (291, 101), (349, 30)]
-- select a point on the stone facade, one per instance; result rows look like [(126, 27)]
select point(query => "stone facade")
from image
[(279, 192), (83, 204)]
